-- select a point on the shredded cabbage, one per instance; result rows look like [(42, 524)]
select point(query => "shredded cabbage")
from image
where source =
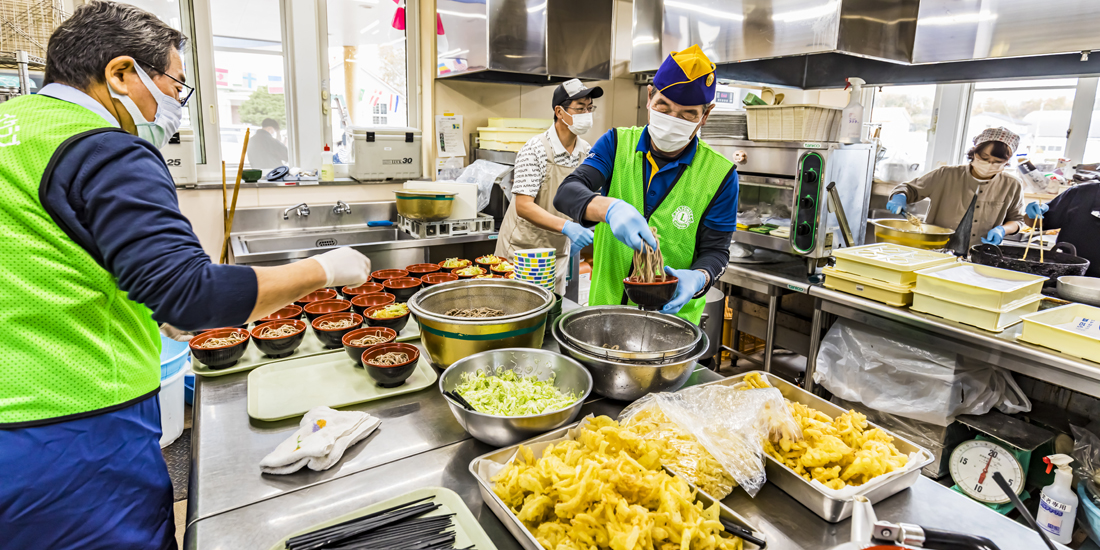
[(508, 394)]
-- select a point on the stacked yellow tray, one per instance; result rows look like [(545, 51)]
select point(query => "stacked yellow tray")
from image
[(882, 272), (986, 297), (1070, 329)]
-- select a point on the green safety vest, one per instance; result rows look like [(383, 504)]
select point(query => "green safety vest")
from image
[(676, 218), (71, 343)]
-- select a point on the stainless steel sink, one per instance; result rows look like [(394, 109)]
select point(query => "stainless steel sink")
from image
[(262, 236)]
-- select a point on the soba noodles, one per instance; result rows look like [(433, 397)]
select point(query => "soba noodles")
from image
[(368, 340), (649, 264), (336, 325), (222, 342), (279, 331), (390, 359), (478, 312)]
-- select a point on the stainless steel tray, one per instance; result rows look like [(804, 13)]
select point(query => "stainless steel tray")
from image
[(520, 532), (824, 505)]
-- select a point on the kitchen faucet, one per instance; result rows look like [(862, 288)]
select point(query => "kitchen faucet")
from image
[(302, 209), (341, 208)]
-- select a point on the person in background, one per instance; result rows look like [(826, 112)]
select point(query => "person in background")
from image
[(1077, 213), (95, 253), (998, 210), (687, 190), (265, 149), (541, 165)]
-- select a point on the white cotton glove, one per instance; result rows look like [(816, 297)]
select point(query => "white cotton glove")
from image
[(344, 267)]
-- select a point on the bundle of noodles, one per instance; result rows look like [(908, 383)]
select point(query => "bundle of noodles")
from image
[(368, 340), (279, 331), (475, 312), (649, 264), (389, 359), (222, 342), (336, 325)]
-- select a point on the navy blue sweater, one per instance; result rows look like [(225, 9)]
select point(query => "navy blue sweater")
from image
[(112, 193)]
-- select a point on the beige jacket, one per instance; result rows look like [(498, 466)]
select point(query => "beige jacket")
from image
[(950, 188)]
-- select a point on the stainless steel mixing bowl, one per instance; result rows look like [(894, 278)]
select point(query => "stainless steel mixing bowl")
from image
[(448, 339), (501, 431), (628, 380), (625, 333)]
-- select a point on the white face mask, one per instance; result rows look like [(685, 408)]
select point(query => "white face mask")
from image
[(582, 123), (669, 133), (167, 120), (984, 169)]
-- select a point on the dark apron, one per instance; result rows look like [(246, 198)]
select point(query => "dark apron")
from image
[(960, 241)]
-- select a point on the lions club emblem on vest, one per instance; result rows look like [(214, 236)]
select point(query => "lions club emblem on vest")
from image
[(683, 217)]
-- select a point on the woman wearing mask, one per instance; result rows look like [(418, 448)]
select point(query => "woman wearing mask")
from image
[(541, 165), (996, 197), (686, 190)]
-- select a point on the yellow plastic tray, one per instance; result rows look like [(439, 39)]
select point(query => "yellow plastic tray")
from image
[(891, 263), (1042, 329), (879, 291), (993, 288), (993, 320)]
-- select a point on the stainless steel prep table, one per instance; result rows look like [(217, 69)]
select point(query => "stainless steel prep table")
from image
[(787, 524), (773, 280)]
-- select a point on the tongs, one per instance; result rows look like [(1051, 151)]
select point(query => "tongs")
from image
[(914, 221)]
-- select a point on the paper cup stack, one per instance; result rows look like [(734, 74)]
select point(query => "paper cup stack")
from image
[(535, 265)]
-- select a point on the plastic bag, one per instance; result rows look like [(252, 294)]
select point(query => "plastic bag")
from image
[(1086, 451), (730, 424), (887, 373), (484, 174), (450, 169)]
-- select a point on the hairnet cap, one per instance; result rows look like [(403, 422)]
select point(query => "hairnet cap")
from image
[(1003, 135), (687, 77)]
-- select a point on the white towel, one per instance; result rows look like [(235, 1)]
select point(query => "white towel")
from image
[(315, 438), (360, 433)]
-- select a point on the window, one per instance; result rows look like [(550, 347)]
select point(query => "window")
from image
[(904, 115), (178, 16), (1092, 145), (249, 70), (1038, 110), (367, 67)]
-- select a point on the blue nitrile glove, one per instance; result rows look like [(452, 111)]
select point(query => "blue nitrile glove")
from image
[(689, 284), (995, 236), (896, 203), (1036, 210), (578, 235), (628, 225)]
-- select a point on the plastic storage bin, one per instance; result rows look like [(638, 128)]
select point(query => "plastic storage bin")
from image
[(980, 286), (890, 263), (879, 291), (993, 320), (793, 122), (174, 358), (1043, 329)]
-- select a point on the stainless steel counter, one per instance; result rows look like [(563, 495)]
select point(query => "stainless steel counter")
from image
[(787, 524)]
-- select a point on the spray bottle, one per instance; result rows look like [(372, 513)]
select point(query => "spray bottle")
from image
[(1058, 503), (851, 118)]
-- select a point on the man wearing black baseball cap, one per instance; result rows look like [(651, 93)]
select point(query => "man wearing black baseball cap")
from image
[(541, 165)]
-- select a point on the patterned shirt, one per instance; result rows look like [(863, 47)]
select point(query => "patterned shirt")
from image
[(531, 161)]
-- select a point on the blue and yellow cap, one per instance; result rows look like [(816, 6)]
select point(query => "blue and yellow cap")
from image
[(686, 77)]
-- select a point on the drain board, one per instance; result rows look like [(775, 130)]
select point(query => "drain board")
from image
[(326, 242)]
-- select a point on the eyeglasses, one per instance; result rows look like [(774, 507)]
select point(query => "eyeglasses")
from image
[(185, 94), (582, 110)]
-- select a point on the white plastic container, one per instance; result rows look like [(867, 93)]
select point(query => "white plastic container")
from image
[(889, 263), (385, 153), (978, 285), (993, 320), (172, 407), (179, 155), (1052, 329), (1057, 502), (879, 291)]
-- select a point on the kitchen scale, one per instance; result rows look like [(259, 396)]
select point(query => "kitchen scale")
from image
[(1004, 444)]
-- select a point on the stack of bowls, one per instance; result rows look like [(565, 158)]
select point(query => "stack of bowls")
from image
[(535, 265), (449, 338), (631, 352)]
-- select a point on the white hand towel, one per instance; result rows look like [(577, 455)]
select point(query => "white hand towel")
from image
[(315, 437), (360, 433)]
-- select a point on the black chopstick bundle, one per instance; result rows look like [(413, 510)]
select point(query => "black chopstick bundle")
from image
[(459, 399), (397, 527)]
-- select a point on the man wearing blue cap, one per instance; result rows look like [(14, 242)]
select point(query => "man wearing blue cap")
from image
[(687, 191)]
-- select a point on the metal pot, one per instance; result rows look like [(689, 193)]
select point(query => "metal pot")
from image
[(1084, 290), (448, 339), (627, 381), (1063, 260), (501, 431), (897, 231), (426, 206), (628, 333)]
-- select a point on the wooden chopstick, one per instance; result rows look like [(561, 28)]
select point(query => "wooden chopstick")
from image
[(225, 205), (233, 206)]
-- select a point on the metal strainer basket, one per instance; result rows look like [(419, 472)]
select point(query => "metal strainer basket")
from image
[(625, 333), (515, 298)]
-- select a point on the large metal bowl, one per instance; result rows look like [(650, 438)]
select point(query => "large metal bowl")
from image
[(638, 335), (501, 431), (448, 339), (627, 381), (897, 231), (1084, 290), (426, 206)]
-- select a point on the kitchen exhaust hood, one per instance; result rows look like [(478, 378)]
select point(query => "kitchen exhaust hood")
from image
[(813, 44), (524, 41)]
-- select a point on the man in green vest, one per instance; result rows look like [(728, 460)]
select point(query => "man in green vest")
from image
[(687, 191), (94, 253)]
